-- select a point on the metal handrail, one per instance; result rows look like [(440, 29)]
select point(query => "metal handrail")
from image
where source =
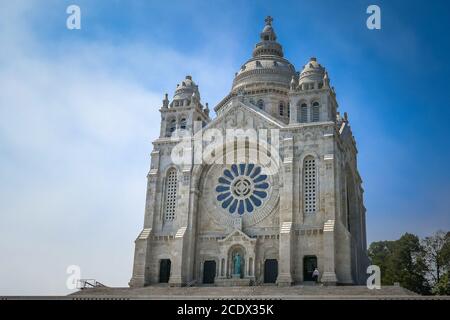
[(88, 283)]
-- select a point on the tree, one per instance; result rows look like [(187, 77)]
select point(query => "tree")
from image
[(443, 286), (409, 266), (401, 261), (437, 248), (445, 253), (380, 253), (437, 257)]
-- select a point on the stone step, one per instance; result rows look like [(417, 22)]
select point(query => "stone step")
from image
[(303, 290)]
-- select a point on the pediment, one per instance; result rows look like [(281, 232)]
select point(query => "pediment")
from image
[(238, 115), (237, 236)]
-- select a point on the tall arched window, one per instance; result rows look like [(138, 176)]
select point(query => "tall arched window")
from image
[(302, 113), (281, 109), (315, 112), (260, 104), (170, 200), (289, 110), (309, 185)]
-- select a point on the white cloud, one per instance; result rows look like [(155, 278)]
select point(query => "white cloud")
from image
[(76, 125)]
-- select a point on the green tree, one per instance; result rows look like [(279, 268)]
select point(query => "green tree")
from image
[(443, 286), (408, 264), (437, 255), (380, 253), (401, 261)]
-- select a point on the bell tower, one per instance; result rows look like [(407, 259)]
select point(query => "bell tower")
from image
[(311, 98), (179, 115)]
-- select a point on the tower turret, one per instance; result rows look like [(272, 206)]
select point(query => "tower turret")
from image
[(179, 115)]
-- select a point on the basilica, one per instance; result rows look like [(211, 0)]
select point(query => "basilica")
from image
[(272, 209)]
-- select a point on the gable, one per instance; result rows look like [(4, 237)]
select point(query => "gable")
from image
[(236, 233), (238, 115)]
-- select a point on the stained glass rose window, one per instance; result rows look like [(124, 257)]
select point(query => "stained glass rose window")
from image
[(242, 188)]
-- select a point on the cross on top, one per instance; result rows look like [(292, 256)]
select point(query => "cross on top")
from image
[(268, 20)]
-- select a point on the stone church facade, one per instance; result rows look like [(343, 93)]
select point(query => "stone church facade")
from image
[(298, 205)]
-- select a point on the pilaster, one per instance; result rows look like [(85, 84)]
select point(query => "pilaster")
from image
[(286, 216), (142, 247), (181, 241), (329, 245)]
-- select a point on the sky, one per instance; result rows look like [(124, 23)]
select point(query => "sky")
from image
[(79, 110)]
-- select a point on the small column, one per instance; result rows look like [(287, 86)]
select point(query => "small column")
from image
[(293, 112)]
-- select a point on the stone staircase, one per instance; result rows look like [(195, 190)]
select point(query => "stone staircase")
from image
[(307, 291)]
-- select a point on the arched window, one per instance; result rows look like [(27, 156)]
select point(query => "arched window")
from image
[(289, 110), (315, 112), (183, 124), (309, 185), (171, 127), (170, 195), (281, 109), (302, 113), (260, 104)]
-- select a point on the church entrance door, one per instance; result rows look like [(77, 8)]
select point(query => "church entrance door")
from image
[(309, 264), (164, 271), (270, 270), (209, 271)]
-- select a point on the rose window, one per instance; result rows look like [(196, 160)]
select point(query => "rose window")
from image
[(242, 188)]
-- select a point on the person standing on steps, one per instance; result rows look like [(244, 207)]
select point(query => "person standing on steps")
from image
[(316, 275)]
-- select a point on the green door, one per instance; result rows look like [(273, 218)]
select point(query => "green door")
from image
[(309, 264), (209, 271), (270, 271)]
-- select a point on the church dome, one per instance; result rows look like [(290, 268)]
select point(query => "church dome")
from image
[(312, 71), (185, 89), (267, 64)]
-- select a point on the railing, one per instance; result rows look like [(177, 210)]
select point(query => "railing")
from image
[(88, 283)]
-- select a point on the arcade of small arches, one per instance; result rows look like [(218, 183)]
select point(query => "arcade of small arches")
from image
[(306, 112), (179, 123)]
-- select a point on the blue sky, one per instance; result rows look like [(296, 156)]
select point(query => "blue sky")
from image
[(78, 112)]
